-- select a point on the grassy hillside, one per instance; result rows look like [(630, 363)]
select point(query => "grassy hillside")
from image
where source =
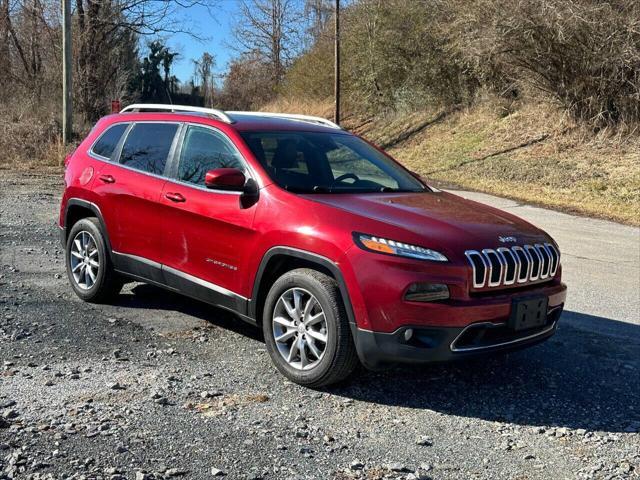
[(533, 153)]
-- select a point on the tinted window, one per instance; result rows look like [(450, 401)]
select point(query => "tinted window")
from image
[(109, 140), (147, 146), (205, 150), (315, 162)]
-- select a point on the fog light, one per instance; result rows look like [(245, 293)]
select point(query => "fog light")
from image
[(408, 333), (426, 292)]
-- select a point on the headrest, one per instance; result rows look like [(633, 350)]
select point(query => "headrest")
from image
[(286, 155), (255, 144)]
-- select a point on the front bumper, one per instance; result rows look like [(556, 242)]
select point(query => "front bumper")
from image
[(442, 344)]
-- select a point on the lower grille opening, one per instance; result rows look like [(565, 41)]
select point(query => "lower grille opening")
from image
[(489, 335)]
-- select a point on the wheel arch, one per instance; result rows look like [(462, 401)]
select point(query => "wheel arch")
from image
[(279, 260), (76, 210)]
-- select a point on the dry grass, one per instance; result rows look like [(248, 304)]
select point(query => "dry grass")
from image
[(566, 167), (29, 141), (321, 108)]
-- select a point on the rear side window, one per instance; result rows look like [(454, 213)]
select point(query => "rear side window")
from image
[(205, 150), (147, 146), (107, 143)]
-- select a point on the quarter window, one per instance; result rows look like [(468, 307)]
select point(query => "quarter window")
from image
[(204, 150), (147, 146), (107, 143)]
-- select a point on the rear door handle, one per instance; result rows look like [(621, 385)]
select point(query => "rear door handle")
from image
[(175, 197), (107, 178)]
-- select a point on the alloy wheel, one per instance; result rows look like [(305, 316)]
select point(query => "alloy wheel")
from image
[(84, 260), (300, 328)]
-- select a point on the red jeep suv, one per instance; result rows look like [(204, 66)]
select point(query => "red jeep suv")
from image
[(339, 253)]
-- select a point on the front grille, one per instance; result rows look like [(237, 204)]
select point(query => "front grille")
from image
[(516, 265)]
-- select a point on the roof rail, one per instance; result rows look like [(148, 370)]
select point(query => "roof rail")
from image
[(291, 116), (161, 107)]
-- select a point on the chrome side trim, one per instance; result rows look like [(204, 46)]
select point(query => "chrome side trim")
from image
[(203, 283), (186, 276), (502, 344)]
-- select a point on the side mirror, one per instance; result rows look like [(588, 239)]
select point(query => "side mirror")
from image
[(250, 193), (225, 179)]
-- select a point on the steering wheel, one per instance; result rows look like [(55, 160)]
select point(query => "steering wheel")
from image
[(345, 176)]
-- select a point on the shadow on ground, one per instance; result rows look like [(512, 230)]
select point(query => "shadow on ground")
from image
[(577, 379), (145, 296)]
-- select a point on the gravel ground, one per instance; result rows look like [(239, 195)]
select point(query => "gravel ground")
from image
[(159, 386)]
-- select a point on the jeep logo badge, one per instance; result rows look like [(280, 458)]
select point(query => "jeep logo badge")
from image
[(507, 239)]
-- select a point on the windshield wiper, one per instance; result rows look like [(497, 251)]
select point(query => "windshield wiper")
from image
[(314, 189)]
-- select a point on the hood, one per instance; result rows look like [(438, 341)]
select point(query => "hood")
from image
[(438, 217)]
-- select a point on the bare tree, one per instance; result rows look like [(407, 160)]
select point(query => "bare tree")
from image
[(318, 13), (269, 28), (5, 60), (114, 26), (244, 87), (203, 73)]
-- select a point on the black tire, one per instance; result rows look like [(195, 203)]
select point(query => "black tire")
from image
[(340, 358), (107, 282)]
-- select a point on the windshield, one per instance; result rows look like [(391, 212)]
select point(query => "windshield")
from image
[(319, 162)]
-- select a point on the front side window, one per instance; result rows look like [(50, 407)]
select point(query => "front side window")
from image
[(203, 150), (319, 162), (108, 141), (147, 146)]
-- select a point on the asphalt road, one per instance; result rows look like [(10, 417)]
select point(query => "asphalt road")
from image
[(158, 386)]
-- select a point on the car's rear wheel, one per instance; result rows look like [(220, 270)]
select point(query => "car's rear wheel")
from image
[(88, 264), (306, 329)]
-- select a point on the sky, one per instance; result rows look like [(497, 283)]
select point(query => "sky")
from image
[(214, 31)]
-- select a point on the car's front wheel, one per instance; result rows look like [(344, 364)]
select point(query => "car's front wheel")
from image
[(88, 264), (306, 329)]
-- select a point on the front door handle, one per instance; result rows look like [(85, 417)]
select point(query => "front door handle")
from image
[(175, 197), (107, 178)]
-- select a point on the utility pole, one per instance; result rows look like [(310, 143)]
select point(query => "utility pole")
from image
[(67, 117), (336, 86)]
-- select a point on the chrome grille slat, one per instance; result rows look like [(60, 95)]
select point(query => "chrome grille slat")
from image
[(470, 254), (535, 270), (545, 266), (555, 258), (495, 266), (526, 264), (508, 280), (506, 266)]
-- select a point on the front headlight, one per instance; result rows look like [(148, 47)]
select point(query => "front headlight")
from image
[(391, 247)]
